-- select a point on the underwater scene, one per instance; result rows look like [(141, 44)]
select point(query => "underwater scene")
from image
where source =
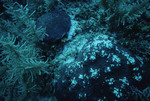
[(74, 50)]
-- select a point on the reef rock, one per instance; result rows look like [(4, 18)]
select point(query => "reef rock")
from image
[(96, 69)]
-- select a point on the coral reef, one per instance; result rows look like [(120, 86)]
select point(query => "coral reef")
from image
[(104, 56)]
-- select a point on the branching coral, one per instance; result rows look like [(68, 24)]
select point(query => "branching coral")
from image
[(23, 23), (21, 64), (123, 11)]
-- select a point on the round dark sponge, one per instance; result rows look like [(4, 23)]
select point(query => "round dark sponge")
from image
[(57, 24)]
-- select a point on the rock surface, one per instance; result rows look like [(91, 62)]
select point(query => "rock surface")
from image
[(97, 69)]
